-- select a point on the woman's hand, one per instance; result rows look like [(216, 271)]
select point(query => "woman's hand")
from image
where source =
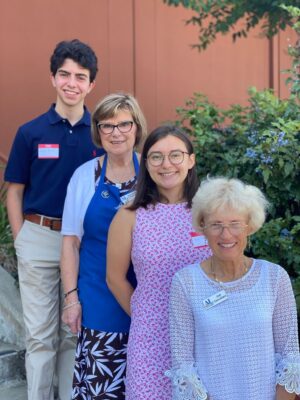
[(282, 394), (72, 316), (69, 275)]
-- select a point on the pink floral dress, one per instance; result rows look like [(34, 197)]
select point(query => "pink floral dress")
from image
[(162, 244)]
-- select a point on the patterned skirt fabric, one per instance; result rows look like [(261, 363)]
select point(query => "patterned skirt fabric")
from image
[(100, 365)]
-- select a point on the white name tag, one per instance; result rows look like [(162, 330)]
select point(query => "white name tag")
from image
[(48, 151), (128, 197), (215, 299), (198, 239)]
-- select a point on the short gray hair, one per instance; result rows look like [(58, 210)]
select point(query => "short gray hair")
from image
[(110, 105), (220, 192)]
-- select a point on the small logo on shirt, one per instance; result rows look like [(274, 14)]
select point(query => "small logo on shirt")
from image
[(105, 194)]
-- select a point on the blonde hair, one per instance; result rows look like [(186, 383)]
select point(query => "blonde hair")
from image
[(217, 193), (109, 106)]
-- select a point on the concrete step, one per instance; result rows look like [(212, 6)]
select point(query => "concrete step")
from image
[(13, 390), (12, 363), (12, 373)]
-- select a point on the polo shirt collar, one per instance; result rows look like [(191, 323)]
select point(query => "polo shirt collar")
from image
[(54, 117)]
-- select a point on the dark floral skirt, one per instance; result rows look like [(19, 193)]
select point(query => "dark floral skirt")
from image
[(100, 365)]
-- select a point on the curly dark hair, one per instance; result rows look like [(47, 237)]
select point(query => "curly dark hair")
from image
[(77, 51)]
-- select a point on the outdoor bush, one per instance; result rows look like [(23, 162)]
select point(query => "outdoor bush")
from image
[(259, 144), (7, 252)]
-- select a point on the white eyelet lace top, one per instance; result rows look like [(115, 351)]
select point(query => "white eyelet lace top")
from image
[(240, 348)]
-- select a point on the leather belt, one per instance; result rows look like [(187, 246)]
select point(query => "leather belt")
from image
[(53, 223)]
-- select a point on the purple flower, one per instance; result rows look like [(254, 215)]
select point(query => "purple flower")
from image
[(266, 159), (250, 153), (285, 233)]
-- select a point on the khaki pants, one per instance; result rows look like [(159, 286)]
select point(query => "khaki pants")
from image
[(50, 346)]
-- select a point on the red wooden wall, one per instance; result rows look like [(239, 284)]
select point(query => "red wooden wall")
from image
[(143, 47)]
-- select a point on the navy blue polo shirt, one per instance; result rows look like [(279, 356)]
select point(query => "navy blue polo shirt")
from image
[(45, 153)]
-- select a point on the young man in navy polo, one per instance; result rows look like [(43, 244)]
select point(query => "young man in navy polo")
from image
[(45, 153)]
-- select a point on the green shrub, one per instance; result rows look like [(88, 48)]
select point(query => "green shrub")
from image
[(259, 144), (7, 252)]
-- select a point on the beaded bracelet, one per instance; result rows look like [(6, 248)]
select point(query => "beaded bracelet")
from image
[(70, 305), (69, 292)]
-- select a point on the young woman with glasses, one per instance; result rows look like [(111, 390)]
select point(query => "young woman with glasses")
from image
[(155, 231), (96, 191), (233, 319)]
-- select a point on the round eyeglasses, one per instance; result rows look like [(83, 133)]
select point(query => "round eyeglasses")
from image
[(175, 157), (107, 129), (235, 228)]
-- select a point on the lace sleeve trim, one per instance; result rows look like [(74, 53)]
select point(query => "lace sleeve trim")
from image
[(186, 383), (288, 372)]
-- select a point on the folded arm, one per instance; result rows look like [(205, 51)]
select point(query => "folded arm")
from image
[(286, 341), (69, 265), (118, 257), (184, 376)]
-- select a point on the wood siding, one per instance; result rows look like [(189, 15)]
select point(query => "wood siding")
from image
[(143, 47)]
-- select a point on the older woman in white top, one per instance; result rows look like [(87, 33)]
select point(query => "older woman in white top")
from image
[(233, 319)]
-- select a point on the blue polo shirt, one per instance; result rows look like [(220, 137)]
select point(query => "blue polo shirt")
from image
[(45, 153)]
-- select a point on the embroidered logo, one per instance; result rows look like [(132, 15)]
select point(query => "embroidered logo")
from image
[(105, 194)]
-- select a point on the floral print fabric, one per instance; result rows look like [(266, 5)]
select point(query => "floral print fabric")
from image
[(100, 365), (162, 245)]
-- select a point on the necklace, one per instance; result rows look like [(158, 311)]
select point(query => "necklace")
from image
[(213, 271), (120, 174)]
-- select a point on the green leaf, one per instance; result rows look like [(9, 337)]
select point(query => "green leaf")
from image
[(266, 174), (288, 168)]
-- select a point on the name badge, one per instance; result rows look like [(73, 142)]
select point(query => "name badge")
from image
[(48, 151), (198, 239), (126, 198), (215, 299)]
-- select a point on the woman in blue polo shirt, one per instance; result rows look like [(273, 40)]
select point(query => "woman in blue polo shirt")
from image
[(96, 191)]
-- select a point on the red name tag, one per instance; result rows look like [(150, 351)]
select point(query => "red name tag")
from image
[(198, 239), (48, 151)]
